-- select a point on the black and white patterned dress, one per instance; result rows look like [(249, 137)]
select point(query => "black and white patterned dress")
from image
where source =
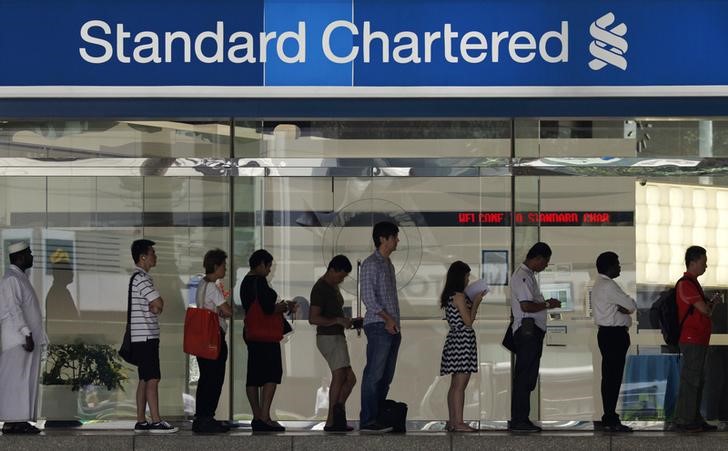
[(460, 353)]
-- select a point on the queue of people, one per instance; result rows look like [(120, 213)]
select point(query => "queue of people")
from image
[(23, 337)]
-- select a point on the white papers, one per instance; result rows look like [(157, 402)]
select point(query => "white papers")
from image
[(475, 288)]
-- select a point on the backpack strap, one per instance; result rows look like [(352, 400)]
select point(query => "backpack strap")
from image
[(691, 308)]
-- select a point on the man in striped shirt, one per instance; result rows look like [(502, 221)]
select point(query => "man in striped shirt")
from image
[(381, 325), (146, 305)]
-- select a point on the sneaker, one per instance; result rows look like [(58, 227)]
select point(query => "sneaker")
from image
[(707, 427), (162, 427), (523, 426), (375, 428), (141, 426)]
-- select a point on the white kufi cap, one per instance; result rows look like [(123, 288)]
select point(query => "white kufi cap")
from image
[(18, 246)]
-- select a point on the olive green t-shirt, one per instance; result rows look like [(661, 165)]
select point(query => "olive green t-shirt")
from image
[(331, 303)]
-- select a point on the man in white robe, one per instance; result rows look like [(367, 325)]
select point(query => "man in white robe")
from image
[(23, 339)]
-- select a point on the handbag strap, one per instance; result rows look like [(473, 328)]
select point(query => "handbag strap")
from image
[(200, 293), (128, 305)]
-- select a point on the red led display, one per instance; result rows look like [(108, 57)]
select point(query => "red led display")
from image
[(544, 218)]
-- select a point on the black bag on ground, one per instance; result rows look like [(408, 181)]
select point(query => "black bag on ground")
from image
[(394, 414), (664, 315)]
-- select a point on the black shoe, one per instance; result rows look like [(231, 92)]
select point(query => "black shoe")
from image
[(259, 426), (707, 427), (222, 425), (20, 428), (262, 426), (616, 427), (694, 427), (375, 428), (523, 426), (338, 428), (209, 426)]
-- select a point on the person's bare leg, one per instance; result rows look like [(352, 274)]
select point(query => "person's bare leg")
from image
[(269, 390), (254, 400), (348, 386), (141, 401), (338, 378), (460, 382), (152, 393)]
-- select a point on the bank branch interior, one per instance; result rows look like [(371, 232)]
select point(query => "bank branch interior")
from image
[(477, 190)]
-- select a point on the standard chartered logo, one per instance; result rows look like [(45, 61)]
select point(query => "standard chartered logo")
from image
[(609, 45)]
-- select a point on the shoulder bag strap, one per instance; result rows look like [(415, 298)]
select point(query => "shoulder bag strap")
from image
[(128, 306), (200, 293)]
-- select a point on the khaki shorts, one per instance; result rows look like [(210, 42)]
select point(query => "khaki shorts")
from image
[(334, 350)]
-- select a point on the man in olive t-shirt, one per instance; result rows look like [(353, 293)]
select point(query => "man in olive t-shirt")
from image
[(327, 313)]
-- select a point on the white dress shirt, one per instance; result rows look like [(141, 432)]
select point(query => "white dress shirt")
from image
[(524, 288), (606, 296)]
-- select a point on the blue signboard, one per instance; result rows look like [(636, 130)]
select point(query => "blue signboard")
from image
[(526, 44)]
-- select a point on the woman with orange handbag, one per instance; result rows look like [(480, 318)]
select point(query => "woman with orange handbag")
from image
[(212, 371), (263, 331)]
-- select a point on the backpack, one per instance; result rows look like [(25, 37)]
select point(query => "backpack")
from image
[(664, 315)]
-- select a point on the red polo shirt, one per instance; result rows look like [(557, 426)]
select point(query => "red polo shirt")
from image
[(696, 329)]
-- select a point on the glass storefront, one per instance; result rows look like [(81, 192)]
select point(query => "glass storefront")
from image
[(481, 191)]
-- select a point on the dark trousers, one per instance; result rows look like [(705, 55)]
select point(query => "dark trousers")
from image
[(613, 344), (692, 380), (209, 386), (528, 341)]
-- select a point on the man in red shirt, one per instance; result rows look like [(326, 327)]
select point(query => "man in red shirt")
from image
[(694, 340)]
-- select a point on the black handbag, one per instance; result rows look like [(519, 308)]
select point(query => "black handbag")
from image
[(125, 350), (508, 341)]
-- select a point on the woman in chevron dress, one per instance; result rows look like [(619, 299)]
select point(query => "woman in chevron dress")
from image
[(459, 354)]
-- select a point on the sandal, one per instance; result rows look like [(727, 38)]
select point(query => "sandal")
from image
[(462, 427)]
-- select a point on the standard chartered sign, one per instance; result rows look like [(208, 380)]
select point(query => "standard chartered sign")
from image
[(104, 42)]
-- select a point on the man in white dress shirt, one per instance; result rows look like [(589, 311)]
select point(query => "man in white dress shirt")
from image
[(612, 308), (23, 339), (529, 328)]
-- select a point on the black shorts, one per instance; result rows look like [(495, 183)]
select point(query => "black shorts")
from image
[(264, 364), (146, 354)]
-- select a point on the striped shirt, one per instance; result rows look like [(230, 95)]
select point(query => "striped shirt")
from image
[(144, 323), (379, 288)]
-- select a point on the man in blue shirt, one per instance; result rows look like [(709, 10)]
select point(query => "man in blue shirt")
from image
[(381, 325)]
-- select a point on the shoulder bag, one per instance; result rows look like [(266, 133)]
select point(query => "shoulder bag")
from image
[(202, 328)]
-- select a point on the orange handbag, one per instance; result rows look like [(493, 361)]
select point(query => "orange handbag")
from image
[(262, 328), (202, 333)]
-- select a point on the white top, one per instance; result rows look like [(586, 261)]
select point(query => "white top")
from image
[(606, 296), (524, 288), (20, 313), (209, 296), (144, 322)]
